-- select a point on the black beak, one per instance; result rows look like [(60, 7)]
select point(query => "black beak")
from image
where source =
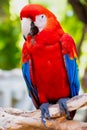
[(33, 30), (24, 38)]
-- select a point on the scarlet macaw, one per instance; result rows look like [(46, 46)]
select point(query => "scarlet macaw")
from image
[(49, 58)]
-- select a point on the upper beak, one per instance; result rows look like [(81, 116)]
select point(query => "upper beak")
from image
[(29, 28)]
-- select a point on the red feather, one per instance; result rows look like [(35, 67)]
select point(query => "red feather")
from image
[(48, 70)]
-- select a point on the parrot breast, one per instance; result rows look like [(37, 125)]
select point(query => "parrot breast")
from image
[(49, 73)]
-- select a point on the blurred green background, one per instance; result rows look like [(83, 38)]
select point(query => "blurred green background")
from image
[(72, 15)]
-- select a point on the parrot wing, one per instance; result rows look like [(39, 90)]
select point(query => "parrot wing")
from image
[(32, 90), (70, 59)]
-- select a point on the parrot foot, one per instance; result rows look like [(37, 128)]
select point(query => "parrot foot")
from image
[(44, 110), (63, 107)]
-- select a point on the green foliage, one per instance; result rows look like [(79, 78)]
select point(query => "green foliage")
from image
[(72, 24), (10, 52), (9, 49), (4, 7), (83, 1)]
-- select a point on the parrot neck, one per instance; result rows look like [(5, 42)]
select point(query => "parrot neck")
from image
[(46, 37)]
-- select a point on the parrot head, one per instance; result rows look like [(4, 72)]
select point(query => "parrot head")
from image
[(40, 24)]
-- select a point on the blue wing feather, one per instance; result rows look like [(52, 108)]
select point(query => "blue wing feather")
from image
[(32, 90), (72, 71)]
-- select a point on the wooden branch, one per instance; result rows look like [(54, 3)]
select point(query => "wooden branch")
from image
[(14, 119), (72, 104)]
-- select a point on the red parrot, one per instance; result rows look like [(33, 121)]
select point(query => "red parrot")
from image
[(49, 59)]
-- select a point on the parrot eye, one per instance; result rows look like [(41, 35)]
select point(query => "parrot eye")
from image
[(41, 21), (42, 16)]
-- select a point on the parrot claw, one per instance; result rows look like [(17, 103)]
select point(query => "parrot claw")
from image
[(63, 107), (44, 110)]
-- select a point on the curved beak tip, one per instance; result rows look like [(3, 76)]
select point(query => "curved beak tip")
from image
[(24, 37)]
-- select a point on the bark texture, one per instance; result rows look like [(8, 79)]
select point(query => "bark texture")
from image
[(14, 119)]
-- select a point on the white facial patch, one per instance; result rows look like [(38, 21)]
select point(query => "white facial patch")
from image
[(26, 25), (40, 21)]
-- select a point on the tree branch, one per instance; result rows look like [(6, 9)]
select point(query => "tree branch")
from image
[(13, 119), (80, 9)]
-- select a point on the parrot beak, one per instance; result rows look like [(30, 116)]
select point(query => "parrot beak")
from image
[(24, 37), (29, 28)]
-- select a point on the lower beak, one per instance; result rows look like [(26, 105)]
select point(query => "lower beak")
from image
[(33, 30)]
